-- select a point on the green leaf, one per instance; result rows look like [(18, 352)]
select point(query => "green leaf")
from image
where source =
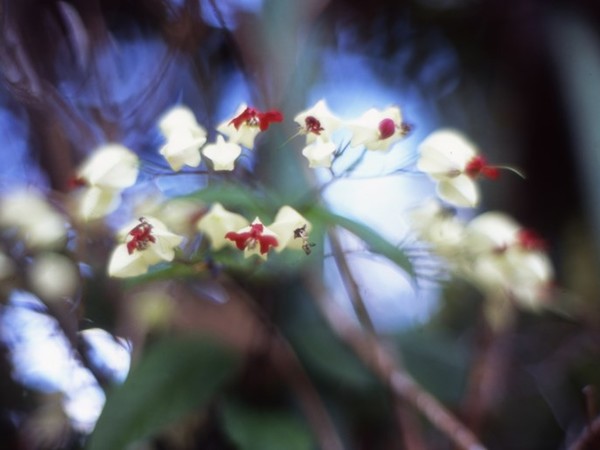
[(175, 376), (374, 241), (323, 352), (252, 429), (237, 197)]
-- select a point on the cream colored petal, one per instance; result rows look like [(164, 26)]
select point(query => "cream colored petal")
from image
[(460, 191), (110, 166), (222, 154), (123, 265), (218, 222)]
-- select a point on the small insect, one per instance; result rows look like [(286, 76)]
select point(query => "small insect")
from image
[(301, 233), (141, 236)]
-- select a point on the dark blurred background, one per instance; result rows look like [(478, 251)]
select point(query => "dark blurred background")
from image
[(521, 78)]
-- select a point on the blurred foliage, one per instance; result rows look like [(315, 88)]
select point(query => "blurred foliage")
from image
[(245, 356)]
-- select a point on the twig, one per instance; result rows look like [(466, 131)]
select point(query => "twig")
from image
[(349, 282), (383, 365), (588, 438)]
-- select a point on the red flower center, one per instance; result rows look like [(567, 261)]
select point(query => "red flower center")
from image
[(387, 128), (252, 117), (530, 240), (77, 182), (313, 125), (141, 237), (478, 166), (249, 239)]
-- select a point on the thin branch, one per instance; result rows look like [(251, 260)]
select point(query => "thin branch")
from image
[(349, 282), (383, 365)]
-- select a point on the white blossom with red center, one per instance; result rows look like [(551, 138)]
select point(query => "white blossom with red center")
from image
[(222, 154), (508, 260), (109, 170), (451, 160), (318, 122), (217, 222), (146, 243), (184, 137), (247, 123), (286, 225), (378, 130), (255, 239)]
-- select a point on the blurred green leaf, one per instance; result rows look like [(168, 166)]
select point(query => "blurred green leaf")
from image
[(236, 196), (374, 241), (323, 352), (175, 376), (437, 361), (252, 429)]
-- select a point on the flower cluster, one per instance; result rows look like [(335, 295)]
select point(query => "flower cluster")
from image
[(491, 251), (185, 138), (148, 241), (374, 130)]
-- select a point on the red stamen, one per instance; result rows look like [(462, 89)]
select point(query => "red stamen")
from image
[(478, 166), (252, 117), (141, 236), (530, 240), (249, 239), (387, 128), (77, 182), (313, 125), (266, 119)]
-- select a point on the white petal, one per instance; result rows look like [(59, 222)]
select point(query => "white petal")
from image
[(445, 152), (222, 154), (218, 222), (110, 166), (460, 191), (286, 222), (182, 148), (177, 119), (319, 153), (122, 264), (96, 202)]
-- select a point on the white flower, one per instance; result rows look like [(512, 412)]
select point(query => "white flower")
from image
[(247, 122), (147, 243), (53, 276), (222, 154), (109, 169), (286, 227), (217, 222), (440, 228), (319, 153), (451, 160), (254, 239), (110, 166), (378, 130), (38, 223), (184, 137), (318, 121), (508, 259)]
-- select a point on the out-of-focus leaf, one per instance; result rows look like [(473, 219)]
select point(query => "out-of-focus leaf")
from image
[(175, 376), (374, 241), (437, 361), (323, 352), (252, 429), (236, 196)]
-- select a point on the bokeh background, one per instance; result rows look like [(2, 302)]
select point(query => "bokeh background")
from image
[(522, 79)]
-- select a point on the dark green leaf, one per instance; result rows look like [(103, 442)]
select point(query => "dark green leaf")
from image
[(174, 377), (252, 429)]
